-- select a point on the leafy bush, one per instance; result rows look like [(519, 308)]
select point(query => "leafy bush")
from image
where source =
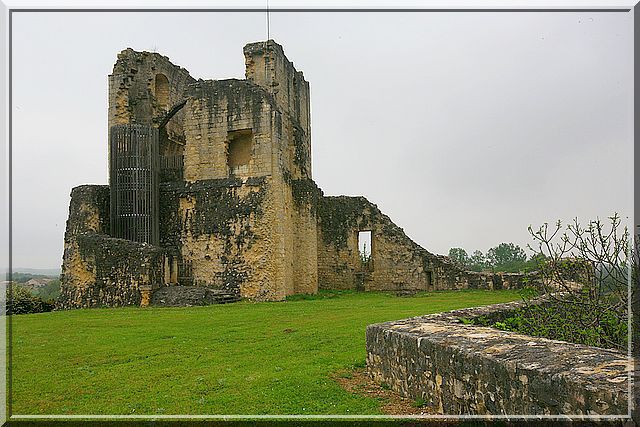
[(563, 320), (21, 301), (559, 321), (50, 291), (584, 273)]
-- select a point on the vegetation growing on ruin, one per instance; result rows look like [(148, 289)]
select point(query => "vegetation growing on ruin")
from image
[(562, 320), (583, 275), (337, 215), (243, 358), (305, 191), (301, 155), (219, 205)]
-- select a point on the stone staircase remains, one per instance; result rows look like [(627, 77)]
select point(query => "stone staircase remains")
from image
[(187, 296)]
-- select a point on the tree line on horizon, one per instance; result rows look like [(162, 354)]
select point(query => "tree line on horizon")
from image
[(506, 257)]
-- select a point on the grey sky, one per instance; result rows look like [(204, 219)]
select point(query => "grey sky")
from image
[(463, 127)]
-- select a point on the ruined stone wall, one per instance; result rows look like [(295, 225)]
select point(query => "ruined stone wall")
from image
[(88, 213), (305, 196), (98, 270), (239, 210), (397, 263), (244, 236), (298, 223), (498, 281), (304, 249), (146, 88), (266, 250), (222, 230), (115, 269), (268, 67), (215, 112), (230, 217), (465, 369), (88, 210), (338, 259), (134, 92)]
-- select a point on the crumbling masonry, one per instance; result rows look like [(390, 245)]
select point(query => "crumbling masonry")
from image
[(211, 198)]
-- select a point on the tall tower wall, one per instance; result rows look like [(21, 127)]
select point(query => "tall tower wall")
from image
[(267, 66), (143, 87), (212, 174)]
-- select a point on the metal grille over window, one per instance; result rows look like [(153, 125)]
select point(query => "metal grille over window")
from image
[(133, 179)]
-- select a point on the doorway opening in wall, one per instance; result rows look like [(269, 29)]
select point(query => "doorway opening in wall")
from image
[(365, 244)]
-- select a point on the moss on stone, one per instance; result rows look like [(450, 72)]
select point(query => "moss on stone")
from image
[(87, 201), (301, 149), (306, 192), (119, 265), (340, 215), (239, 96)]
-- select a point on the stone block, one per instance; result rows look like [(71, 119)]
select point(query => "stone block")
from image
[(465, 369)]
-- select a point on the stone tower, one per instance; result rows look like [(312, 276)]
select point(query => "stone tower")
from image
[(210, 191), (202, 176)]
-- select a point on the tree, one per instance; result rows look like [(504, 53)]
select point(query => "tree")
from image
[(459, 256), (50, 291), (586, 269), (477, 261), (506, 257)]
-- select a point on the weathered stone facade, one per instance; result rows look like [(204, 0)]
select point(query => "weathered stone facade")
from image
[(397, 262), (459, 368), (214, 177), (100, 270)]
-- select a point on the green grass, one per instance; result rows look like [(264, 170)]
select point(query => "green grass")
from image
[(243, 358), (419, 403)]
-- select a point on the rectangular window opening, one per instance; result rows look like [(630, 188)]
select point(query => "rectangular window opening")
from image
[(364, 248), (239, 151)]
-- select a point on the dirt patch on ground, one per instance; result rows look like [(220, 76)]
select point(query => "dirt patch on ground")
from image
[(356, 381)]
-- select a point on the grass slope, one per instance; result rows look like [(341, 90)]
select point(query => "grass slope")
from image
[(243, 358)]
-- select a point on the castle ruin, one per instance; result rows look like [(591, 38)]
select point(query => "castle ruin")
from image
[(211, 194)]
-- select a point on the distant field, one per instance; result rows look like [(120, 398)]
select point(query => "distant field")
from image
[(243, 358)]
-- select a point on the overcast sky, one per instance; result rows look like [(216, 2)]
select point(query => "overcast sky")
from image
[(463, 127)]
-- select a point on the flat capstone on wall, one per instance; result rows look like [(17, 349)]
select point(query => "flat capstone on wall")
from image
[(460, 368)]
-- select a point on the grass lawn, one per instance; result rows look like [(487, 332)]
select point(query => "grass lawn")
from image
[(242, 358)]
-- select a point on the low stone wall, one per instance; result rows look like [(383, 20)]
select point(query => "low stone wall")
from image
[(458, 368), (103, 271), (497, 281), (187, 296)]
